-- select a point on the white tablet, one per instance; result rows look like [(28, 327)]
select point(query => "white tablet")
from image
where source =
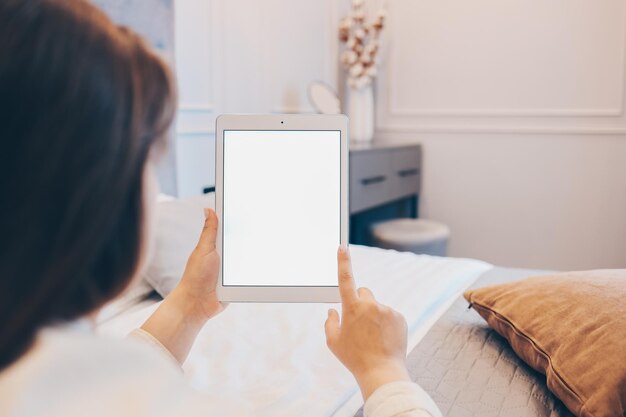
[(282, 201)]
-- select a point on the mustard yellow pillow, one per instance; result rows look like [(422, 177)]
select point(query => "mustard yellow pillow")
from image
[(572, 328)]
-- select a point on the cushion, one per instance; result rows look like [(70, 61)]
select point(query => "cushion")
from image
[(572, 328), (178, 226)]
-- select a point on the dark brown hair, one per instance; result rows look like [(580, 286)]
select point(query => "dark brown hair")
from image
[(82, 102)]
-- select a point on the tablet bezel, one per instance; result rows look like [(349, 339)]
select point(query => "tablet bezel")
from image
[(279, 122)]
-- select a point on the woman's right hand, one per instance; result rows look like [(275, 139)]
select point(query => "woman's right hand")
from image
[(370, 339)]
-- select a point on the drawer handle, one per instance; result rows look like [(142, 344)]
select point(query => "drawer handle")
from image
[(408, 172), (373, 180)]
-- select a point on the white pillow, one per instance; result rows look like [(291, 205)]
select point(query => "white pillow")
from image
[(178, 226)]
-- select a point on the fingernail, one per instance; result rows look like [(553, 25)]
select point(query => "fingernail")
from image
[(207, 213), (343, 248)]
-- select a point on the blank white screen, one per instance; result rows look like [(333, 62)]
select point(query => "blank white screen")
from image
[(282, 208)]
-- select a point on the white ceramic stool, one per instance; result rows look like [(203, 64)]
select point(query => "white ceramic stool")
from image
[(411, 235)]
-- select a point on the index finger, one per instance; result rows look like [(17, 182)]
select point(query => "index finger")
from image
[(347, 287)]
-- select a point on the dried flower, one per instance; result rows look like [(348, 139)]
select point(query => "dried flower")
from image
[(349, 57), (356, 70), (344, 34), (361, 39), (372, 72)]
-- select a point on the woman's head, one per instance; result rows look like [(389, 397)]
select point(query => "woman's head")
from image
[(82, 104)]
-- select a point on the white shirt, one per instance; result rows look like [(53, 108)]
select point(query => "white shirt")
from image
[(71, 372)]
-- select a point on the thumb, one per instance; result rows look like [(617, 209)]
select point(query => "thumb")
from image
[(206, 243), (332, 327)]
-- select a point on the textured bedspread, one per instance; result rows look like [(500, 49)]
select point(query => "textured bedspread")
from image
[(273, 357), (469, 370)]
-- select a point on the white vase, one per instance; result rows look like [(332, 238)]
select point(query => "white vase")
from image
[(361, 113)]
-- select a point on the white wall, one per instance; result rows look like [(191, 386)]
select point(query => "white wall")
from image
[(241, 56), (519, 106), (196, 71), (540, 201)]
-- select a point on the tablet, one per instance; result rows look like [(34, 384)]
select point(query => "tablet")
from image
[(282, 200)]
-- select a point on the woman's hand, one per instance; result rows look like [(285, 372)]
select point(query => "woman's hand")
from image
[(197, 285), (180, 317), (371, 339)]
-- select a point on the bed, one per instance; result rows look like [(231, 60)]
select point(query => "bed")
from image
[(470, 370), (274, 357)]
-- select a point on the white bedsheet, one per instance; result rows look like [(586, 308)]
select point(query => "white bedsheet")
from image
[(274, 356)]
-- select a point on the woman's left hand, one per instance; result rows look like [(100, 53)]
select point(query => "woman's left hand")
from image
[(199, 280), (183, 313)]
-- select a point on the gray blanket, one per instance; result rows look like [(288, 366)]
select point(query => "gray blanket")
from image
[(469, 370)]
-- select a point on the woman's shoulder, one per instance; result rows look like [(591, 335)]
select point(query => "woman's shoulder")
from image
[(70, 372), (59, 349)]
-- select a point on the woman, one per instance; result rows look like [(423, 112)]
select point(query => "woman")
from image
[(84, 106)]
